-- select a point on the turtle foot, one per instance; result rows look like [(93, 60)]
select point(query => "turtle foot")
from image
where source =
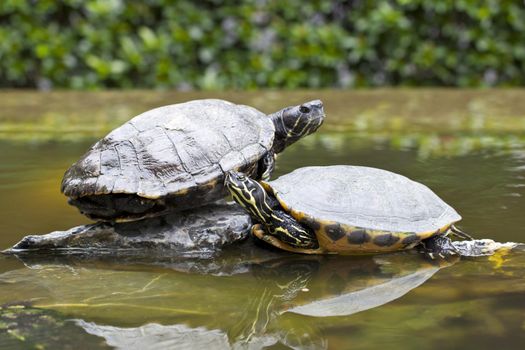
[(438, 247)]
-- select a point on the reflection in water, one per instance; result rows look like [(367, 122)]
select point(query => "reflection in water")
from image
[(157, 336), (368, 298), (244, 309), (468, 146), (248, 299)]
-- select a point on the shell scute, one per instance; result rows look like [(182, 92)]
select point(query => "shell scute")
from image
[(411, 239), (386, 239), (334, 231), (358, 236)]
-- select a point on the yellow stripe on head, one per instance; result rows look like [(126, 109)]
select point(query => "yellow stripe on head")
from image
[(249, 194)]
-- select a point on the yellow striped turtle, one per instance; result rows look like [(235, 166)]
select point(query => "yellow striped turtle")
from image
[(347, 210)]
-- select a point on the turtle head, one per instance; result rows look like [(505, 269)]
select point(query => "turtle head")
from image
[(292, 123), (279, 225), (249, 194)]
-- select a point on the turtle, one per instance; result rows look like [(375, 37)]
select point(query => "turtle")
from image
[(347, 210), (175, 157)]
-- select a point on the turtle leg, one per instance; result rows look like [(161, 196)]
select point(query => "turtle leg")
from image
[(266, 166), (438, 246), (259, 232), (460, 234)]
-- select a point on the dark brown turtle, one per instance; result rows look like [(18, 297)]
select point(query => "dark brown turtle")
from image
[(175, 157)]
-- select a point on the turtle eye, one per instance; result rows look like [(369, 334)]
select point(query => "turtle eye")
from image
[(304, 109), (241, 177)]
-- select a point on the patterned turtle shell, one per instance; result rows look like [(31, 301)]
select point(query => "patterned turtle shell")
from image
[(359, 209)]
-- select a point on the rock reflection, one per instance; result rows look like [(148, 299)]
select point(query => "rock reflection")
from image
[(243, 299), (157, 336)]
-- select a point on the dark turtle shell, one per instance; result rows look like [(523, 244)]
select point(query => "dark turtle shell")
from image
[(172, 156)]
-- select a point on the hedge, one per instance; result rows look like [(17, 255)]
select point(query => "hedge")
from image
[(226, 44)]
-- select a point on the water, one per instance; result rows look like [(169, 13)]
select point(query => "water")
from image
[(467, 146)]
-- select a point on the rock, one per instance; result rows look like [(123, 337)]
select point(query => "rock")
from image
[(200, 231), (481, 247), (25, 327), (235, 259), (197, 233)]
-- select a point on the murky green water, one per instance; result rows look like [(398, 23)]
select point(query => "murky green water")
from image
[(469, 147)]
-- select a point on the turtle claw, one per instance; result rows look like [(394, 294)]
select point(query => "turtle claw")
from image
[(438, 246), (266, 166)]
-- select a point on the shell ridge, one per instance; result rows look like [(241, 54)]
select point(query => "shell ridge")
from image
[(158, 173), (118, 158), (104, 188), (176, 150), (139, 165), (194, 144), (99, 150), (136, 155), (213, 118), (233, 150), (134, 127)]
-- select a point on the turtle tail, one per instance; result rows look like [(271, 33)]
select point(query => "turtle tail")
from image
[(460, 234)]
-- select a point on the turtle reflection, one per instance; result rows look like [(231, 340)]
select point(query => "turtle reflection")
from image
[(253, 300), (324, 286)]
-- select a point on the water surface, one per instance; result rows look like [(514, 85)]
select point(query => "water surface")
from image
[(468, 146)]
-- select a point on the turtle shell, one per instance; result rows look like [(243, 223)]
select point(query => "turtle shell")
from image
[(354, 208), (169, 157)]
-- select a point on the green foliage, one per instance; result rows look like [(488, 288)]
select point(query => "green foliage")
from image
[(217, 44)]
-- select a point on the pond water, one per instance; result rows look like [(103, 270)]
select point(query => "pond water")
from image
[(468, 146)]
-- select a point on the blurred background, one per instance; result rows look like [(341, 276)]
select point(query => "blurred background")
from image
[(379, 68), (248, 44)]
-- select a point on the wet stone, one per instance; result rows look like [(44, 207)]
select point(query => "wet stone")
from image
[(206, 229), (482, 247)]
